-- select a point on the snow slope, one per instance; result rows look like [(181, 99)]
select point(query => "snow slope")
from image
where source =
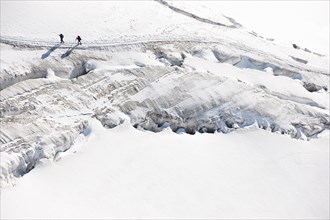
[(155, 65), (246, 174)]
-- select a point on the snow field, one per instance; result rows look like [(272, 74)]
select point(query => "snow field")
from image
[(245, 174)]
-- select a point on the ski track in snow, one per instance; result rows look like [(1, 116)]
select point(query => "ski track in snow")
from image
[(39, 44)]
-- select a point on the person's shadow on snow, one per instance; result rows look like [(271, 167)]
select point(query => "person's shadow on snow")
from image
[(69, 51), (45, 55)]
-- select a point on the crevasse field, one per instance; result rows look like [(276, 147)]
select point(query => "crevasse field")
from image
[(166, 110)]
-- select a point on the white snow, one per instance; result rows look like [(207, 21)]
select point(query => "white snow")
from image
[(305, 23), (167, 110), (126, 173)]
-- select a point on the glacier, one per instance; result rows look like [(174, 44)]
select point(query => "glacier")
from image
[(177, 70)]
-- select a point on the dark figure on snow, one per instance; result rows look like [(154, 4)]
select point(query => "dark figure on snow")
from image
[(61, 37), (79, 40)]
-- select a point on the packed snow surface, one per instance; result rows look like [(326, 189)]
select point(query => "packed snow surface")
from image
[(135, 101), (127, 173)]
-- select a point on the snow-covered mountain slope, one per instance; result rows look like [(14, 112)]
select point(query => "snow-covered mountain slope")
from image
[(155, 64)]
